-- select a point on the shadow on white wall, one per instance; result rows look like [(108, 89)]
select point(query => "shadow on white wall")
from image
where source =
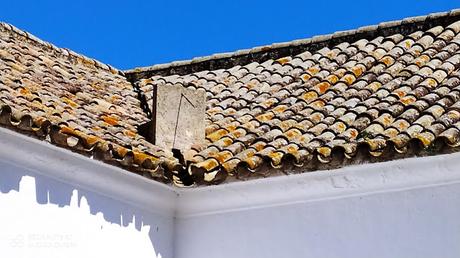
[(41, 217)]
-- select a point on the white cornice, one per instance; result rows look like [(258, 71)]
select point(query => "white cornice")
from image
[(116, 183), (346, 182), (75, 169)]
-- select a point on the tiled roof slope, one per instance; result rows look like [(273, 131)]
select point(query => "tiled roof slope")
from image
[(379, 93), (73, 101)]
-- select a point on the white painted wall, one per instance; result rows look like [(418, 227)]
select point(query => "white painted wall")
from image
[(45, 218), (408, 208), (54, 203), (416, 223)]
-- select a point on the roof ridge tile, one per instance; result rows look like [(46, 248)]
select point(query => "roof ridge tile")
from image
[(9, 28), (387, 96), (233, 58)]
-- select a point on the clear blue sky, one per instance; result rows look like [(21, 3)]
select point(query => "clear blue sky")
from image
[(133, 33)]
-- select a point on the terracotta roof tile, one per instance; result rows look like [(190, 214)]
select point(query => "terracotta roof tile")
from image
[(74, 102), (372, 94), (383, 92)]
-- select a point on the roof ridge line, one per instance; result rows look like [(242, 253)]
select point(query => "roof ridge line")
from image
[(63, 52), (278, 50)]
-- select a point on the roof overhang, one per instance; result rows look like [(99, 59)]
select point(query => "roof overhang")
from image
[(75, 169), (116, 183)]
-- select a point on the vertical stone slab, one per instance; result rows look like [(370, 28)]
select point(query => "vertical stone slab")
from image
[(178, 117)]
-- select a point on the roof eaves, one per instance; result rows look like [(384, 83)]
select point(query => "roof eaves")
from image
[(42, 128)]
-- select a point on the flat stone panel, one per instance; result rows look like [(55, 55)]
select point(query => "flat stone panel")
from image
[(179, 117)]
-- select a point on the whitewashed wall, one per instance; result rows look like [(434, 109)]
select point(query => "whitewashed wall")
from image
[(415, 223), (41, 217), (54, 203), (406, 208)]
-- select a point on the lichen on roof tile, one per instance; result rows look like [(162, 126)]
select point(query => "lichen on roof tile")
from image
[(79, 103), (372, 94), (385, 93)]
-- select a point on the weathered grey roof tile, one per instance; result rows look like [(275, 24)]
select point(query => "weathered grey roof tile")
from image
[(400, 77), (300, 102), (75, 96)]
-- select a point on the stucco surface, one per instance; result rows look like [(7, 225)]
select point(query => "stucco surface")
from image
[(405, 208), (42, 217)]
